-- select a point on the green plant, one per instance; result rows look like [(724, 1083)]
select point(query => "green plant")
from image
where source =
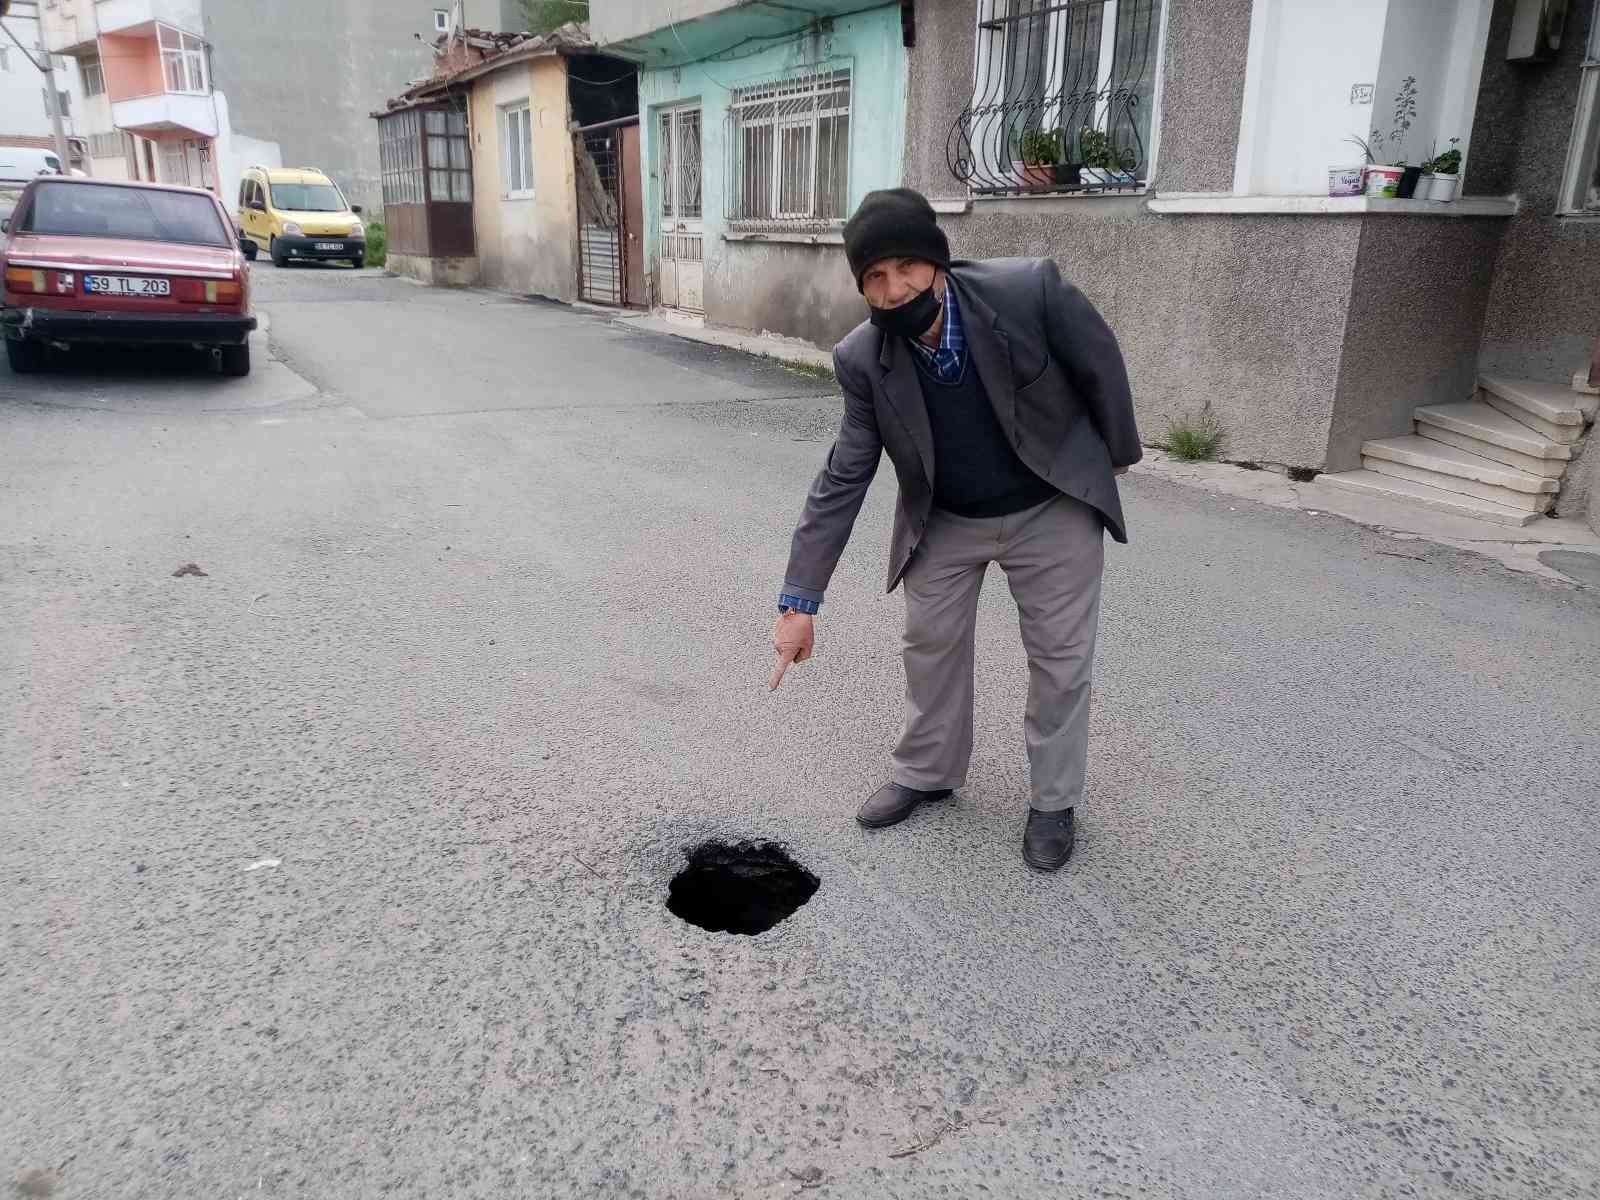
[(542, 16), (1040, 147), (1196, 437), (1097, 150), (1405, 112), (1448, 163), (1377, 146), (809, 369), (377, 244)]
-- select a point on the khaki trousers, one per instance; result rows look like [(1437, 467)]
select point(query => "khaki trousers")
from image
[(1052, 556)]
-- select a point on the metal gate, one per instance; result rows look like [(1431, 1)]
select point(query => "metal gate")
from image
[(681, 260), (603, 234)]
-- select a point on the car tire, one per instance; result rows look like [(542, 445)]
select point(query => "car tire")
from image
[(235, 359), (278, 258), (359, 261), (25, 358), (250, 249)]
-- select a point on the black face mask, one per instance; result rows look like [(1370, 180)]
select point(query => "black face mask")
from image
[(911, 319)]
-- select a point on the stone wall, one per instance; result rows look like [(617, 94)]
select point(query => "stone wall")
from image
[(1543, 318)]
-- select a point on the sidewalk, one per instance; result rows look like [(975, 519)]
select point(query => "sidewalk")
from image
[(1543, 548), (1519, 549)]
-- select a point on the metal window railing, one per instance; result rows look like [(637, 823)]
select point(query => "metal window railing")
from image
[(788, 149), (1062, 97)]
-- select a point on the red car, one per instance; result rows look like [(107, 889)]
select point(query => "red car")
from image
[(92, 261)]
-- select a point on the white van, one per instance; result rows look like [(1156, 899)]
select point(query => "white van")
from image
[(18, 164)]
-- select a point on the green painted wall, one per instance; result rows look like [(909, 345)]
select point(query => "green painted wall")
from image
[(795, 289)]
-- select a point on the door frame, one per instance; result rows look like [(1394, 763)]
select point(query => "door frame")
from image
[(674, 229)]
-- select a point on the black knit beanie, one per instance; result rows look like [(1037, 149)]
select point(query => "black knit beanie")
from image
[(894, 223)]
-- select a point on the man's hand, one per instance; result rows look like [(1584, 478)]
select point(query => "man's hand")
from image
[(1119, 470), (793, 638)]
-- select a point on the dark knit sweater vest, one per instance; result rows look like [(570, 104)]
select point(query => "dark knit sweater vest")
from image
[(976, 473)]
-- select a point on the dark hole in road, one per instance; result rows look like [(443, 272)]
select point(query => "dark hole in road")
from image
[(744, 888)]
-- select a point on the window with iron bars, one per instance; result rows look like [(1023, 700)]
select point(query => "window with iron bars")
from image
[(789, 149), (1062, 97)]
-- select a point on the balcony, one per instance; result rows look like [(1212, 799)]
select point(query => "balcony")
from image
[(166, 112), (664, 33), (117, 16)]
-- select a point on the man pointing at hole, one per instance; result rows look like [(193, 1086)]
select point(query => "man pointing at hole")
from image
[(1001, 398)]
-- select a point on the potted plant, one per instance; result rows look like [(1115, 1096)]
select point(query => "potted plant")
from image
[(1103, 161), (1378, 178), (1040, 150), (1441, 174), (1405, 112), (1386, 173)]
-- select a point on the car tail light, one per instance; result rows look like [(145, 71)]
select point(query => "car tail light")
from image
[(223, 293), (25, 279)]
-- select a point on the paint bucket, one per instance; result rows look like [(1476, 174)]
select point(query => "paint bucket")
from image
[(1382, 181), (1344, 181)]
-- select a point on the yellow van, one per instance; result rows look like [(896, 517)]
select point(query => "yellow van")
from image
[(298, 213)]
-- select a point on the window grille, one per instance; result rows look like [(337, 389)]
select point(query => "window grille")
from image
[(94, 77), (789, 150), (1062, 97)]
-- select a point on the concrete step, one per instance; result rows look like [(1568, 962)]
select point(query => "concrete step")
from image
[(1417, 495), (1482, 423), (1581, 385), (1509, 498), (1548, 407), (1463, 465), (1550, 468)]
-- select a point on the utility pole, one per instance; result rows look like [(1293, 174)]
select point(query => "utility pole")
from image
[(52, 98)]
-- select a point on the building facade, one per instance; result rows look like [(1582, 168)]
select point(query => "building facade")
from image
[(309, 76), (150, 107), (506, 168), (762, 127), (24, 115), (1179, 159), (1314, 327)]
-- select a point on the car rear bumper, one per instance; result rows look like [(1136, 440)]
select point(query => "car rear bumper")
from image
[(312, 247), (66, 325)]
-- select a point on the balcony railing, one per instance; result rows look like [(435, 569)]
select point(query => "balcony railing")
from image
[(1061, 97)]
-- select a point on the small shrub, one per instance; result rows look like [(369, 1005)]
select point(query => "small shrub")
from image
[(377, 244), (1198, 437), (811, 370)]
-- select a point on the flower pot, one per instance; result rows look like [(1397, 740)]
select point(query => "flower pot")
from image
[(1344, 181), (1106, 177), (1036, 175), (1440, 188), (1380, 180), (1069, 174), (1407, 187)]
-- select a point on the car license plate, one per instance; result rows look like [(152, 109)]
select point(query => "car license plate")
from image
[(126, 285), (330, 245)]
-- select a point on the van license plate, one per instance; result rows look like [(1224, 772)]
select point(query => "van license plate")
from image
[(330, 245), (126, 285)]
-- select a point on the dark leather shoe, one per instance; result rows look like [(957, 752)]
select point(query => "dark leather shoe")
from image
[(891, 804), (1047, 842)]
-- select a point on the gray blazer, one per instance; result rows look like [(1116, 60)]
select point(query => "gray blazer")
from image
[(1053, 372)]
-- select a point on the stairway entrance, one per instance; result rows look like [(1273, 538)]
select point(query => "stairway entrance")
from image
[(1500, 456)]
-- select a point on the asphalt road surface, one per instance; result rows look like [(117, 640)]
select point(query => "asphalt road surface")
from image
[(339, 870)]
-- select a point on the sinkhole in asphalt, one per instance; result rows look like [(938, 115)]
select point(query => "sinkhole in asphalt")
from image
[(747, 887)]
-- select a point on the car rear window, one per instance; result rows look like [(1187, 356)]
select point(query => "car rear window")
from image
[(90, 210), (306, 197)]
